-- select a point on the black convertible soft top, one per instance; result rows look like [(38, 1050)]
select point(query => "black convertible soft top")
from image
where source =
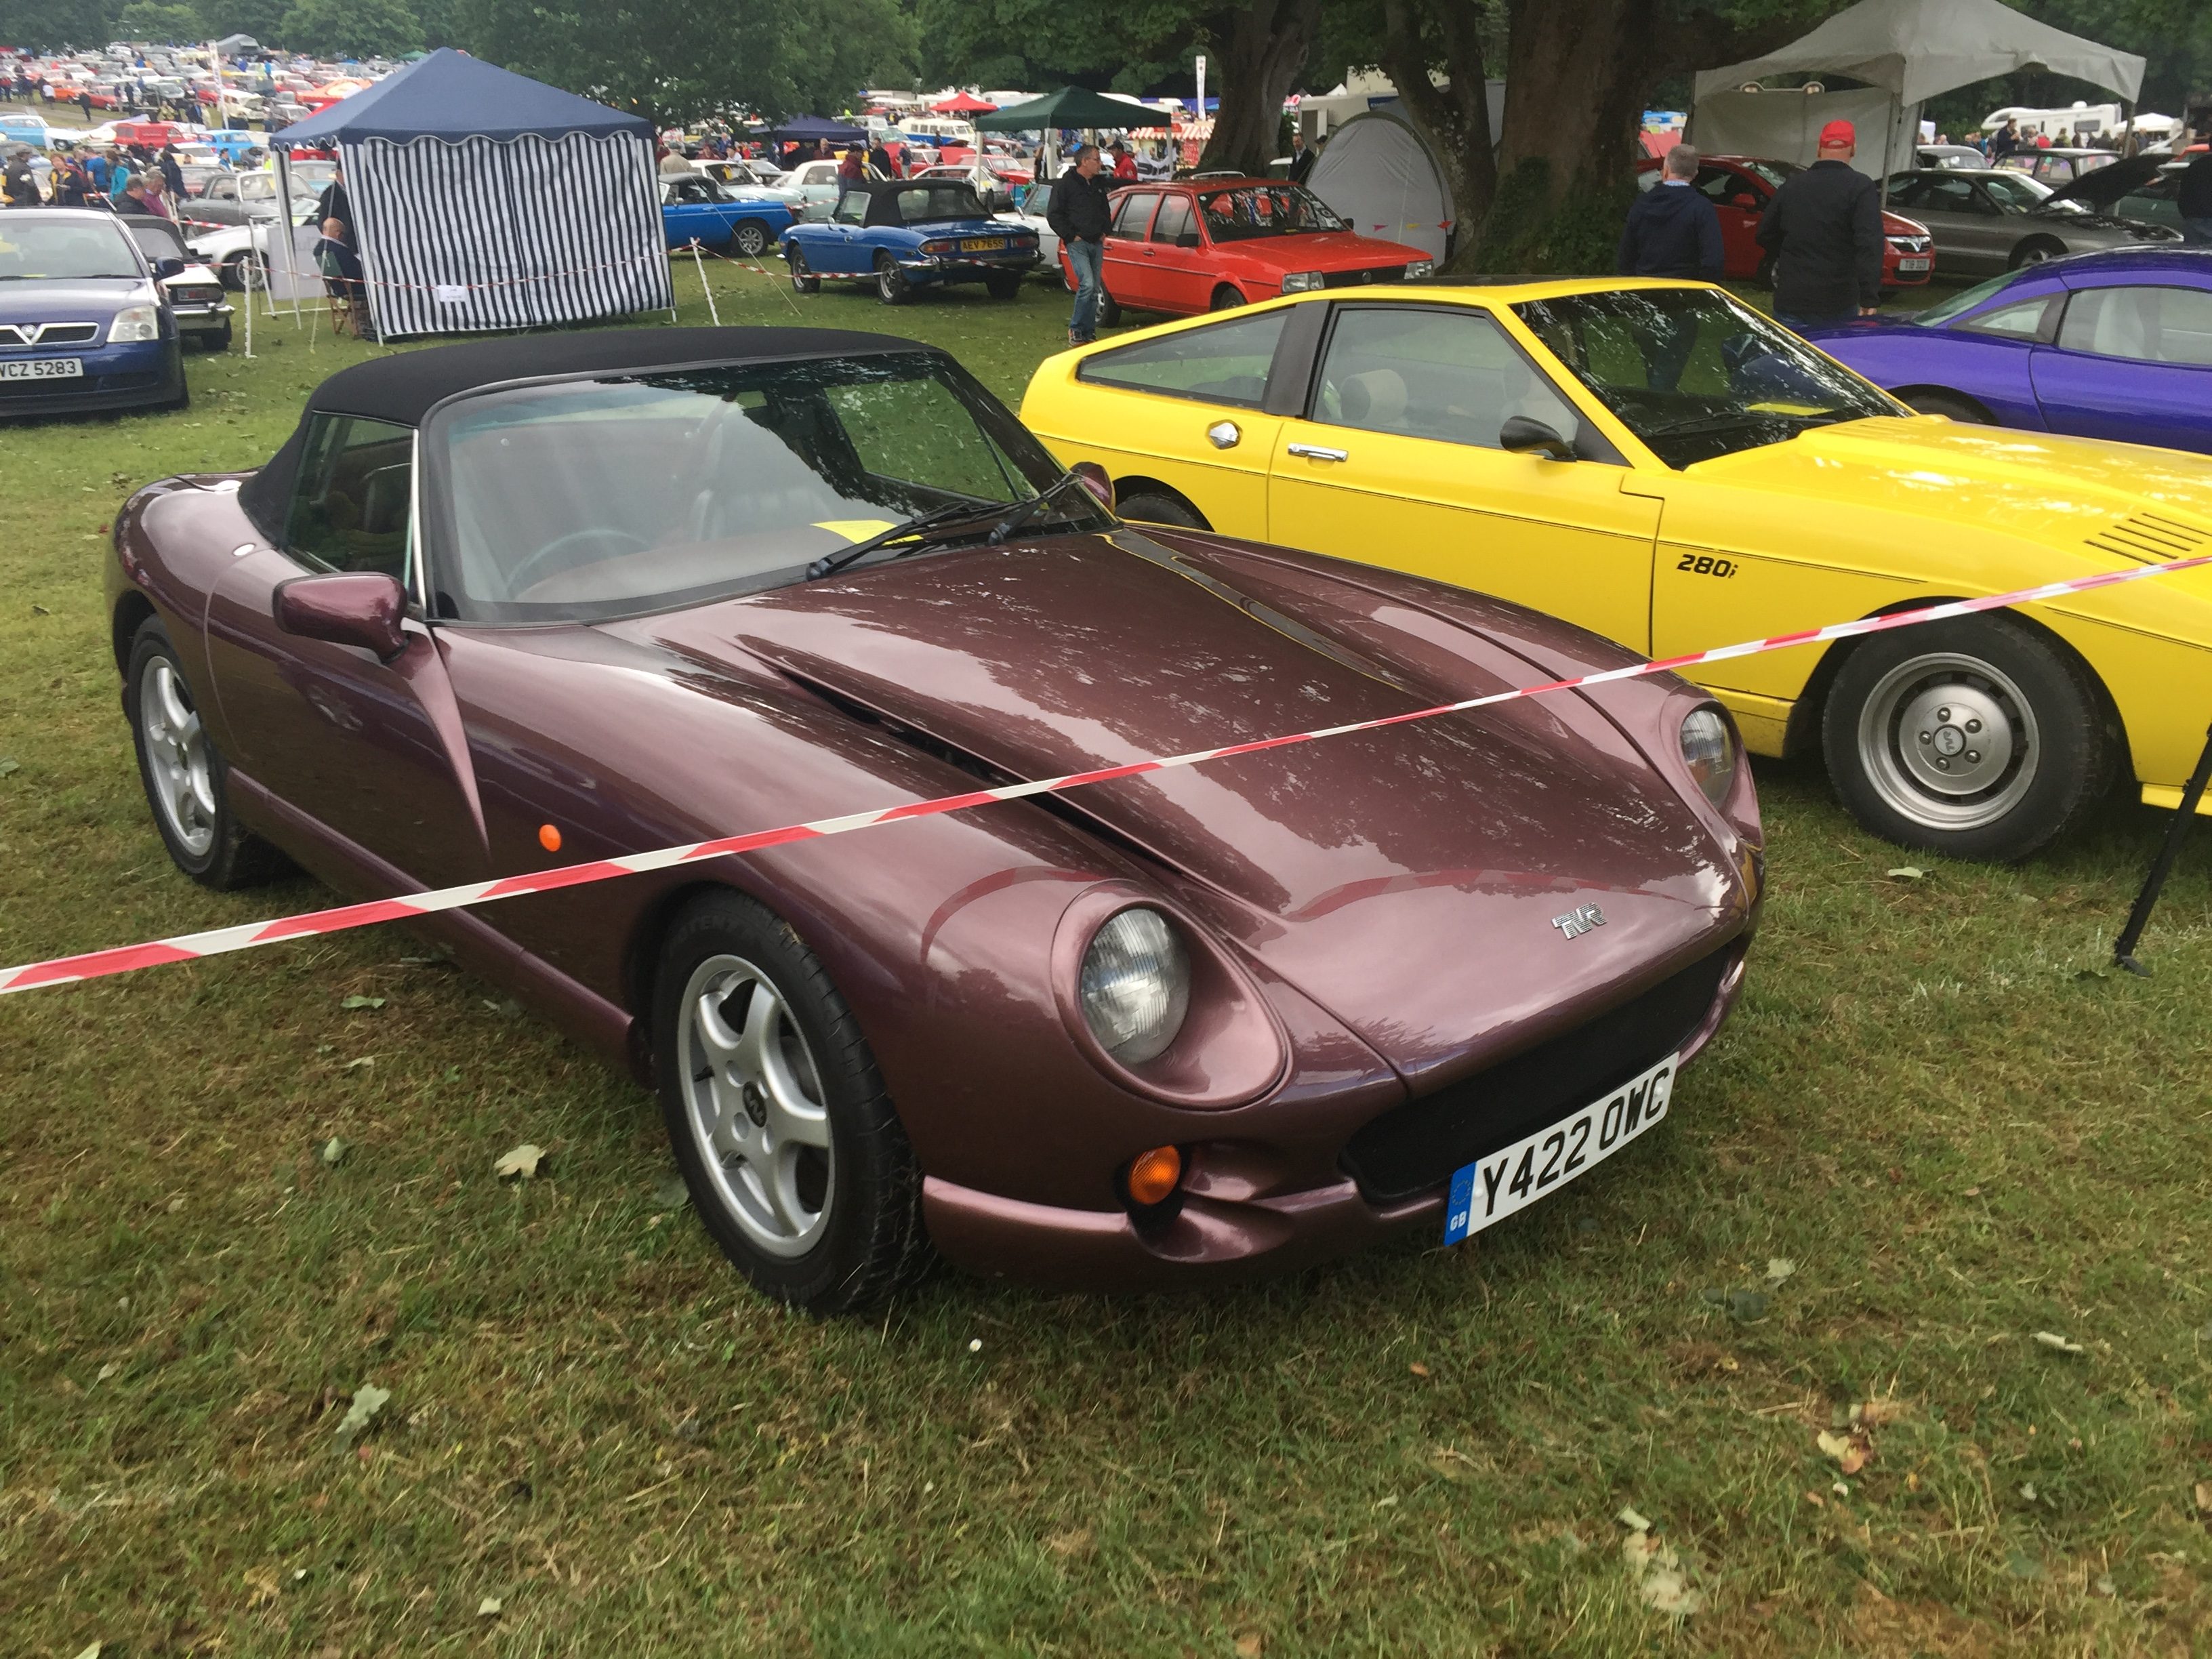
[(402, 388)]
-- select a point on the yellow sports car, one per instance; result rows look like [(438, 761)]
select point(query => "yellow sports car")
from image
[(1658, 463)]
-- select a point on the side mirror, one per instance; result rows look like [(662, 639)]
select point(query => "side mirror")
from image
[(1097, 481), (1522, 436), (1188, 239), (167, 266), (1743, 198), (350, 607)]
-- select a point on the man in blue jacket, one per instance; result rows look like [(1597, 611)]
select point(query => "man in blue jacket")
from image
[(1672, 229)]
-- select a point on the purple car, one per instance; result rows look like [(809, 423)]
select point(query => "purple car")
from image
[(2102, 345)]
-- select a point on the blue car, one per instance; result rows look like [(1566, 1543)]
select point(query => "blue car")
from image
[(694, 208), (84, 325), (903, 235), (2101, 345)]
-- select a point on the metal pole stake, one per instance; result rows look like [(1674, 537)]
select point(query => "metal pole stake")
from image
[(2123, 948)]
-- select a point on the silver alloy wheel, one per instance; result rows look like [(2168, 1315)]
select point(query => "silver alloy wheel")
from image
[(1949, 741), (753, 1098), (177, 758)]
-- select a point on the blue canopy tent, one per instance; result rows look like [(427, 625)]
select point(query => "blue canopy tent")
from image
[(482, 200)]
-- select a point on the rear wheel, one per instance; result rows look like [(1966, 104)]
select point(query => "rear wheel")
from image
[(245, 270), (891, 285), (749, 239), (1979, 737), (183, 777), (1226, 298), (777, 1115), (1153, 508), (1003, 285), (801, 279), (1950, 405)]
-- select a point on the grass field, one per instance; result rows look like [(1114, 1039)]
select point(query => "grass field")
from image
[(1938, 1126)]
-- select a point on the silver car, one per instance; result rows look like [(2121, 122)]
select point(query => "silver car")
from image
[(1989, 221)]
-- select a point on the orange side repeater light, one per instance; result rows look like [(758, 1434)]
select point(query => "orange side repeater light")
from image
[(548, 837)]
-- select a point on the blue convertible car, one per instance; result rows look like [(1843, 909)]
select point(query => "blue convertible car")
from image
[(2101, 345), (906, 234), (694, 208), (84, 325)]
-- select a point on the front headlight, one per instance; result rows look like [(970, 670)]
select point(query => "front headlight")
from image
[(1421, 268), (1135, 985), (1298, 281), (135, 323), (1709, 750)]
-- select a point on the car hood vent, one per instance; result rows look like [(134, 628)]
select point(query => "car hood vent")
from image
[(2147, 538)]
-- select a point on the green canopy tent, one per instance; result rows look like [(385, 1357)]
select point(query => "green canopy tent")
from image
[(1070, 106)]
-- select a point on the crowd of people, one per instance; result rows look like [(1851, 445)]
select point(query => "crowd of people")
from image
[(121, 178)]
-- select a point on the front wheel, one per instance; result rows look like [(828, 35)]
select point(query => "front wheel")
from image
[(749, 239), (183, 777), (2036, 251), (795, 1160), (891, 285), (1979, 739), (1226, 298), (801, 279)]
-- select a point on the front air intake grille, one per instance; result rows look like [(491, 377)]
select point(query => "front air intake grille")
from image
[(2150, 539), (49, 334), (1361, 278), (1413, 1148)]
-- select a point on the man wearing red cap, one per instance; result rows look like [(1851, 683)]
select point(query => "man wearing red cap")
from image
[(1823, 229)]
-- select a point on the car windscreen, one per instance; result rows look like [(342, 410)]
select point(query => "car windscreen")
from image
[(1772, 172), (78, 248), (582, 500), (1236, 215), (157, 241), (1959, 304), (2016, 189), (1695, 374), (938, 199)]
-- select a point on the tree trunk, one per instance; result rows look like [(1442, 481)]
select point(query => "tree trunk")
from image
[(1454, 118), (1263, 47)]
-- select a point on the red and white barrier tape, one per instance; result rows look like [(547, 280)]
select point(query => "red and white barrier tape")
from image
[(188, 947)]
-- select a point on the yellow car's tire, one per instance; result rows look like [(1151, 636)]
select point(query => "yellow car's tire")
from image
[(1153, 508), (1980, 738)]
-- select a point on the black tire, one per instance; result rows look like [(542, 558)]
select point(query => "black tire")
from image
[(1902, 721), (244, 272), (1226, 298), (1003, 285), (801, 279), (891, 285), (219, 342), (2034, 251), (204, 838), (1160, 509), (871, 1244), (1950, 405), (749, 239), (1109, 308)]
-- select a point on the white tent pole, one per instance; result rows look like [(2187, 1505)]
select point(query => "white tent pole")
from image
[(713, 310), (285, 223)]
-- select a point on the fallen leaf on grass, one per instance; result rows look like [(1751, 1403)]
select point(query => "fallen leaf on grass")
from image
[(1250, 1645), (2204, 1496), (1418, 1369), (261, 1583), (89, 1651), (1748, 1305), (358, 1001), (521, 1161), (1064, 1544), (10, 764), (489, 1607), (1907, 872), (360, 1065), (367, 1401), (2020, 1565), (1660, 1579), (1779, 1267), (671, 1194), (334, 1151), (1629, 1518), (2059, 1344), (41, 610), (1852, 1452)]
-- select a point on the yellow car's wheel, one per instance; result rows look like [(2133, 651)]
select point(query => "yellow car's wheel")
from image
[(1980, 738)]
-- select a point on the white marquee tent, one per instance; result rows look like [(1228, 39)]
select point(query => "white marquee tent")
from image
[(1910, 50)]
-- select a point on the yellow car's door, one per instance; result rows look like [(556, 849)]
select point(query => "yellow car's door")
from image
[(1398, 463), (1183, 409)]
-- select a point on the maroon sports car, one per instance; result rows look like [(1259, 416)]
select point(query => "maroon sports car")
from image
[(619, 591)]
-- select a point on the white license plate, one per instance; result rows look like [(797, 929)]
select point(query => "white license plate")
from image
[(1510, 1179), (42, 368), (1913, 267)]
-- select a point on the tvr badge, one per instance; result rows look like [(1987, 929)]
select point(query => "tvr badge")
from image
[(1579, 920)]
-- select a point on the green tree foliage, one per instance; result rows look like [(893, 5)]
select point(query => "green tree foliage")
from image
[(51, 25), (678, 62), (350, 28), (164, 24)]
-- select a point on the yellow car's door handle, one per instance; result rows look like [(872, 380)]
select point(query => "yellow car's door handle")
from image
[(1316, 453)]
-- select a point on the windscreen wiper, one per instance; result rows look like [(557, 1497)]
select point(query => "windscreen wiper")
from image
[(831, 563), (1022, 514)]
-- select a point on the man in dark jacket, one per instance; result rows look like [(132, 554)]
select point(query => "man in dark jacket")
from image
[(1823, 229), (1078, 214), (2194, 197), (1672, 229)]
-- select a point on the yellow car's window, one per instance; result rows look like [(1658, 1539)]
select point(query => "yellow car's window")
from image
[(1450, 375), (1222, 363)]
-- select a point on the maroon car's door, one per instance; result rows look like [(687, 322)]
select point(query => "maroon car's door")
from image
[(373, 751)]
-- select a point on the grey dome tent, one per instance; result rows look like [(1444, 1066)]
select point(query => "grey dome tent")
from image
[(483, 200), (1381, 178)]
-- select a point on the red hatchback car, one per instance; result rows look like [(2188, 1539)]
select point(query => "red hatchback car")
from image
[(1741, 186), (1208, 243)]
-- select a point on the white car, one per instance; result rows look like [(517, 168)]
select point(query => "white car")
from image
[(1029, 202), (240, 253), (194, 291), (754, 179), (817, 184)]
